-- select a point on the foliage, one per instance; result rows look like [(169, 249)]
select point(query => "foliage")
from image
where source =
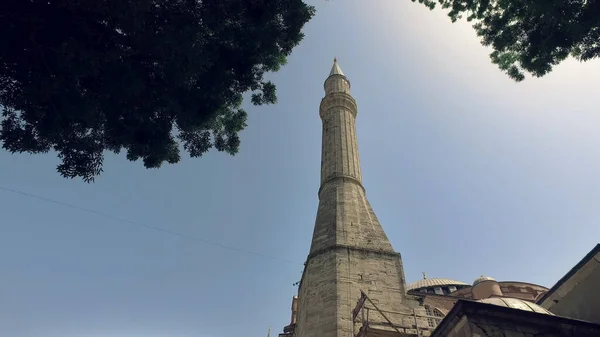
[(531, 35), (84, 76)]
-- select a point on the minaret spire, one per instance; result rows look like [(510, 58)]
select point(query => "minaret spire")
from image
[(335, 69), (350, 251)]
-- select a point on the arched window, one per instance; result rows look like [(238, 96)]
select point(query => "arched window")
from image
[(434, 317), (428, 311)]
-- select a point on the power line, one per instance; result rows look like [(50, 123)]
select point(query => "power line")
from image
[(166, 231)]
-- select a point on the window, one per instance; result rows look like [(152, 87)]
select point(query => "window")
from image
[(434, 317), (428, 311)]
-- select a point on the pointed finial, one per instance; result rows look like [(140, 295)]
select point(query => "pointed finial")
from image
[(269, 333), (335, 69), (424, 276)]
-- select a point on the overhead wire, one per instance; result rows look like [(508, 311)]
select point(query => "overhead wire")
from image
[(135, 223)]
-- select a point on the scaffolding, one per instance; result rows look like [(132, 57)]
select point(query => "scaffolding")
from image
[(369, 327)]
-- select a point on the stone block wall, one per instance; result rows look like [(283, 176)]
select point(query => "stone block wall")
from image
[(332, 284), (441, 302)]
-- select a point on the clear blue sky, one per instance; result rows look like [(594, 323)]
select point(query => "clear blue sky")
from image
[(469, 173)]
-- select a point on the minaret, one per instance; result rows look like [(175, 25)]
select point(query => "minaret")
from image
[(350, 251)]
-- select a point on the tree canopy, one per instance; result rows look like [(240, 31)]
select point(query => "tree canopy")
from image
[(82, 77), (531, 36)]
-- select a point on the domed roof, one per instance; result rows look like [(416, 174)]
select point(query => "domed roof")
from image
[(515, 303), (481, 279), (434, 282)]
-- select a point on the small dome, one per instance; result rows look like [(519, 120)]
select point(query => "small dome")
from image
[(433, 282), (481, 279), (516, 303)]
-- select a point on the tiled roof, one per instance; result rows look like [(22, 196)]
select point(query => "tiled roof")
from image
[(434, 282), (515, 303), (481, 279)]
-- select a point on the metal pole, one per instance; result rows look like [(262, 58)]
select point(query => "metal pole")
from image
[(367, 326), (384, 316), (363, 320), (416, 322)]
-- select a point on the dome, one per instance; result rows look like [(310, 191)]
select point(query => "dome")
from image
[(481, 279), (516, 303), (434, 282)]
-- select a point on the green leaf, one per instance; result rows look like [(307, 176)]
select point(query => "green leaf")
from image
[(83, 77), (531, 36)]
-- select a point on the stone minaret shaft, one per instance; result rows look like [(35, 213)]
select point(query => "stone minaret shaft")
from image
[(344, 216), (339, 154), (349, 250)]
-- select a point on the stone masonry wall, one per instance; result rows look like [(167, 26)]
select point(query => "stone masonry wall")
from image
[(339, 148), (317, 298), (332, 283), (441, 302), (345, 217)]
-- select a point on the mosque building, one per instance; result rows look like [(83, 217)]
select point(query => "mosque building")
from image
[(353, 282)]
